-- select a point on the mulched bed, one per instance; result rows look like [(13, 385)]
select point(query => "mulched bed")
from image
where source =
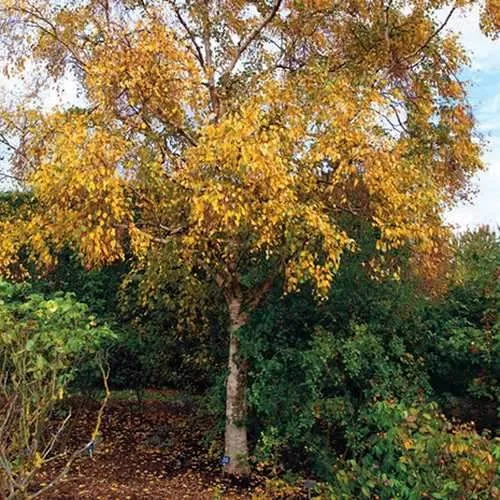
[(154, 452)]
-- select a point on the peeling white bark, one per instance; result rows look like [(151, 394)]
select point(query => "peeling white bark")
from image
[(236, 445)]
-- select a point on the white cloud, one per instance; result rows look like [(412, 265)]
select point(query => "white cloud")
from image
[(485, 98), (484, 51)]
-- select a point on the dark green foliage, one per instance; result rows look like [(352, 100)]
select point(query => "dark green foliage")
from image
[(463, 328), (12, 201), (97, 288), (318, 369), (315, 367), (178, 327), (151, 350)]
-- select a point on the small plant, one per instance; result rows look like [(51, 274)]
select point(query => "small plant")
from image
[(42, 342)]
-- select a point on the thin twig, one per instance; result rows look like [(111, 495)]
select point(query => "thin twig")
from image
[(56, 435), (434, 35), (190, 33), (243, 45)]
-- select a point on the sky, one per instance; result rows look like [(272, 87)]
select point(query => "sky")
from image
[(484, 75)]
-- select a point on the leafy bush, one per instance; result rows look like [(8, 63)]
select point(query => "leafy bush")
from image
[(98, 288), (43, 341), (413, 452), (462, 344), (312, 374)]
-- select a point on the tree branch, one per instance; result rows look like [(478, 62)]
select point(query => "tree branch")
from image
[(243, 45), (209, 67), (434, 35), (191, 35), (51, 32)]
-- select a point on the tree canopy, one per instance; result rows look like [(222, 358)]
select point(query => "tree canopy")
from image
[(236, 136)]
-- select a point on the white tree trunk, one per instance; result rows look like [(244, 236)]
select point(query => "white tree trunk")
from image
[(236, 446)]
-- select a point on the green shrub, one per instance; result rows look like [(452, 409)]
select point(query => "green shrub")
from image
[(43, 341), (462, 343), (413, 452), (307, 391), (316, 369)]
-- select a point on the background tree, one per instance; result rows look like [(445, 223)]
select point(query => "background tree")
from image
[(228, 138), (464, 344)]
